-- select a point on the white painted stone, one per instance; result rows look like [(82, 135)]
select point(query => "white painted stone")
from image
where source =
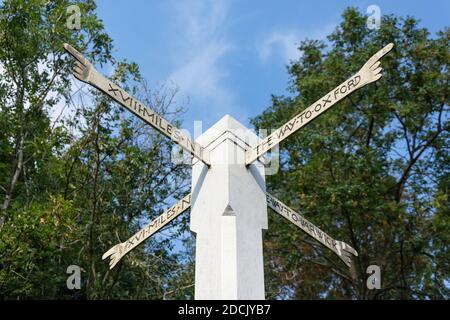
[(228, 214)]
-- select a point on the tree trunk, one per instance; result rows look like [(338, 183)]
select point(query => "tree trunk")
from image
[(17, 169)]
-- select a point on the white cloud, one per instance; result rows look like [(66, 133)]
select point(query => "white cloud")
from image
[(285, 43), (202, 50), (201, 76), (61, 110)]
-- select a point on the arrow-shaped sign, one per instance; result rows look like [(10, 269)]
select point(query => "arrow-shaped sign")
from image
[(85, 71), (119, 250), (370, 72), (340, 248)]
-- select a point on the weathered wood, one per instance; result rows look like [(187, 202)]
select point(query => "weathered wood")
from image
[(340, 248), (370, 72), (85, 71), (119, 250)]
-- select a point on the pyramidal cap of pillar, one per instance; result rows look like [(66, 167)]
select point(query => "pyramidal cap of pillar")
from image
[(227, 123), (227, 128)]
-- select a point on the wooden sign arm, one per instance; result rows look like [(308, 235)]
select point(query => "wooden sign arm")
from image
[(120, 250), (85, 71), (340, 248), (370, 72)]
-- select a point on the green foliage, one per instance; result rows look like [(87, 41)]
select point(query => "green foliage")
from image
[(73, 188), (36, 248), (373, 171)]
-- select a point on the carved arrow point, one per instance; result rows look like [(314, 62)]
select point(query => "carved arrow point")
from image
[(229, 211)]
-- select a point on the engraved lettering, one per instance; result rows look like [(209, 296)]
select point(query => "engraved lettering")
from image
[(308, 116), (111, 89)]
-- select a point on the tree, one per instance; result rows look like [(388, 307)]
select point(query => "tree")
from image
[(373, 171), (35, 76), (73, 188)]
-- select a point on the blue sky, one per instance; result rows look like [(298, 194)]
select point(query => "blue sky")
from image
[(228, 57)]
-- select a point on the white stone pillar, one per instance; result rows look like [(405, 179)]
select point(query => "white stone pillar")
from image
[(228, 214)]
